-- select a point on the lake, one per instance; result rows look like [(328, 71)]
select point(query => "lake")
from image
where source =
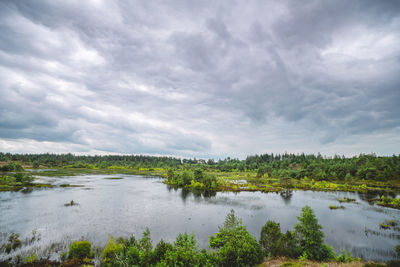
[(126, 206)]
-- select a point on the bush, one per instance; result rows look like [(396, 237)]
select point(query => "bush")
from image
[(185, 252), (31, 258), (23, 178), (345, 256), (160, 251), (397, 249), (271, 239), (235, 245), (80, 250), (14, 242), (145, 248), (110, 252)]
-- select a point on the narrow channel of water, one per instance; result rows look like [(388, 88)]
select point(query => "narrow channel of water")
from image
[(126, 206)]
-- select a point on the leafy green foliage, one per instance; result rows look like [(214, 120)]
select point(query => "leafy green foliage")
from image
[(346, 256), (160, 251), (80, 250), (234, 245), (13, 242), (31, 258), (271, 239), (185, 252), (311, 237), (110, 253), (397, 250)]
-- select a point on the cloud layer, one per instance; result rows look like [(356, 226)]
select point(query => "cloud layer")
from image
[(200, 78)]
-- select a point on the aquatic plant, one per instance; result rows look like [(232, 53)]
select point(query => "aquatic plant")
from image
[(346, 200), (397, 249), (71, 203), (13, 242), (332, 207), (31, 258)]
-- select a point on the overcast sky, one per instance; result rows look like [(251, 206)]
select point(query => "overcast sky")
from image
[(200, 78)]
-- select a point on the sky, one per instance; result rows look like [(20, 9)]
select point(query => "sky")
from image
[(204, 79)]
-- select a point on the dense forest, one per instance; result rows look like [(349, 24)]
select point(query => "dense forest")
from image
[(297, 166)]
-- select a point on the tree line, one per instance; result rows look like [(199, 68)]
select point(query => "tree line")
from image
[(297, 166)]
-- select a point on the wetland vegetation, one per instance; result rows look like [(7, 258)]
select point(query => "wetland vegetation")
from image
[(233, 245)]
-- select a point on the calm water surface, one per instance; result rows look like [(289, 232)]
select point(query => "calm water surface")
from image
[(127, 206)]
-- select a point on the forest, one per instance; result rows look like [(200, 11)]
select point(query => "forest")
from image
[(296, 166)]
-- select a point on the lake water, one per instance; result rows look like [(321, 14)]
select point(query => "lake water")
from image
[(124, 207)]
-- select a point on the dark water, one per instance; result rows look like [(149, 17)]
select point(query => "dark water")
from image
[(127, 206)]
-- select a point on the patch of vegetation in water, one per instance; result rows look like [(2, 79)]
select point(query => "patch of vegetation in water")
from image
[(332, 207), (18, 181), (346, 200), (389, 202), (70, 185), (114, 178), (388, 224), (13, 242), (71, 203)]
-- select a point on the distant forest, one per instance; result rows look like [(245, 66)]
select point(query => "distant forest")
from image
[(297, 166)]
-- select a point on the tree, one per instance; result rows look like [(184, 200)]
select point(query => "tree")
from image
[(261, 172), (185, 252), (235, 245), (186, 178), (271, 239), (311, 237), (146, 248), (170, 175), (198, 175)]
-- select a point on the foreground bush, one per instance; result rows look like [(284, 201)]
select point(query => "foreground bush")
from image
[(235, 246), (305, 242), (80, 250)]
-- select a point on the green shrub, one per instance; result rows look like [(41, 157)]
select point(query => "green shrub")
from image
[(235, 245), (110, 252), (185, 252), (14, 242), (31, 258), (160, 250), (271, 239), (80, 250), (345, 256), (397, 249)]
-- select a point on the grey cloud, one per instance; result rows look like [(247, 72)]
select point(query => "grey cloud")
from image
[(190, 78)]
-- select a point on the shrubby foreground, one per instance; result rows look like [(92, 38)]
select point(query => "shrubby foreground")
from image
[(232, 245)]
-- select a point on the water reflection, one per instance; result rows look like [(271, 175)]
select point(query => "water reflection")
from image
[(286, 195)]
